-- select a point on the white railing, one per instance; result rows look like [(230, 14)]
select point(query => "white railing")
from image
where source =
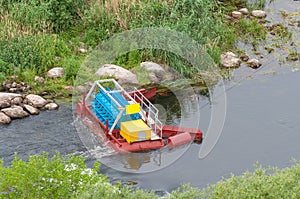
[(152, 117)]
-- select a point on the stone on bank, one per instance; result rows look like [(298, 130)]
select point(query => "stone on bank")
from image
[(56, 72), (32, 110), (230, 60), (16, 106), (35, 101), (15, 112), (4, 119), (122, 75)]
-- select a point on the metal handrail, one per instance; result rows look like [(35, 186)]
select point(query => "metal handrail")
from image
[(151, 109)]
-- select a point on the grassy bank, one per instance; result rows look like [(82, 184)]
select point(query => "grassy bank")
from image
[(36, 36), (68, 177)]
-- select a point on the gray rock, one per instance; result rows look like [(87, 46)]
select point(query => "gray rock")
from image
[(35, 101), (5, 99), (17, 101), (244, 57), (14, 85), (254, 63), (259, 13), (15, 112), (236, 14), (13, 90), (51, 106), (32, 110), (39, 79), (5, 103), (158, 73), (244, 11), (56, 72), (4, 119), (230, 60), (122, 75)]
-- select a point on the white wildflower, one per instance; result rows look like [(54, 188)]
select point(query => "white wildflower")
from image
[(71, 167), (87, 172)]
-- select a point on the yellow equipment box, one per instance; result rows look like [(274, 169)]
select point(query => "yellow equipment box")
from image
[(135, 130), (132, 108)]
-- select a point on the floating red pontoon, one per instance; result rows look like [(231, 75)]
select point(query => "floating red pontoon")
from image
[(128, 120)]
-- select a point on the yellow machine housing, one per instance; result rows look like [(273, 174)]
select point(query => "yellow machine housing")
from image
[(135, 130)]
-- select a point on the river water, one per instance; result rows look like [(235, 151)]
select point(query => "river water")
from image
[(262, 125)]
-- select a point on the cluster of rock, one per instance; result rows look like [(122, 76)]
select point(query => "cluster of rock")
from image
[(15, 106), (231, 60), (14, 87), (245, 11)]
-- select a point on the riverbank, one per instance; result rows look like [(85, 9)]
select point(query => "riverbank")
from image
[(64, 35), (68, 177)]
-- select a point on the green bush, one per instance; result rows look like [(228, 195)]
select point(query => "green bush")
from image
[(71, 66), (262, 183), (44, 177)]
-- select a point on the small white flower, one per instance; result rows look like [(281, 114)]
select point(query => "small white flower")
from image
[(87, 172), (71, 167)]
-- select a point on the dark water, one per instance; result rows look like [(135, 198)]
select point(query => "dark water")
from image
[(50, 131), (262, 125)]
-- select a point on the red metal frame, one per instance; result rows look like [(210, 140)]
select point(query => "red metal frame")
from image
[(121, 145)]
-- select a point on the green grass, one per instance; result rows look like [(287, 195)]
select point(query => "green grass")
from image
[(39, 35)]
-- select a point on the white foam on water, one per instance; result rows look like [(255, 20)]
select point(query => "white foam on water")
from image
[(96, 147)]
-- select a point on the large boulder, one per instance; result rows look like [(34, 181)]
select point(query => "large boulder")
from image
[(6, 98), (230, 60), (122, 75), (157, 73), (4, 119), (259, 13), (15, 112), (32, 110), (17, 101), (35, 101), (56, 72)]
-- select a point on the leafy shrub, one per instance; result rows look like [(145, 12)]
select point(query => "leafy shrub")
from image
[(262, 183), (71, 66), (41, 177)]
